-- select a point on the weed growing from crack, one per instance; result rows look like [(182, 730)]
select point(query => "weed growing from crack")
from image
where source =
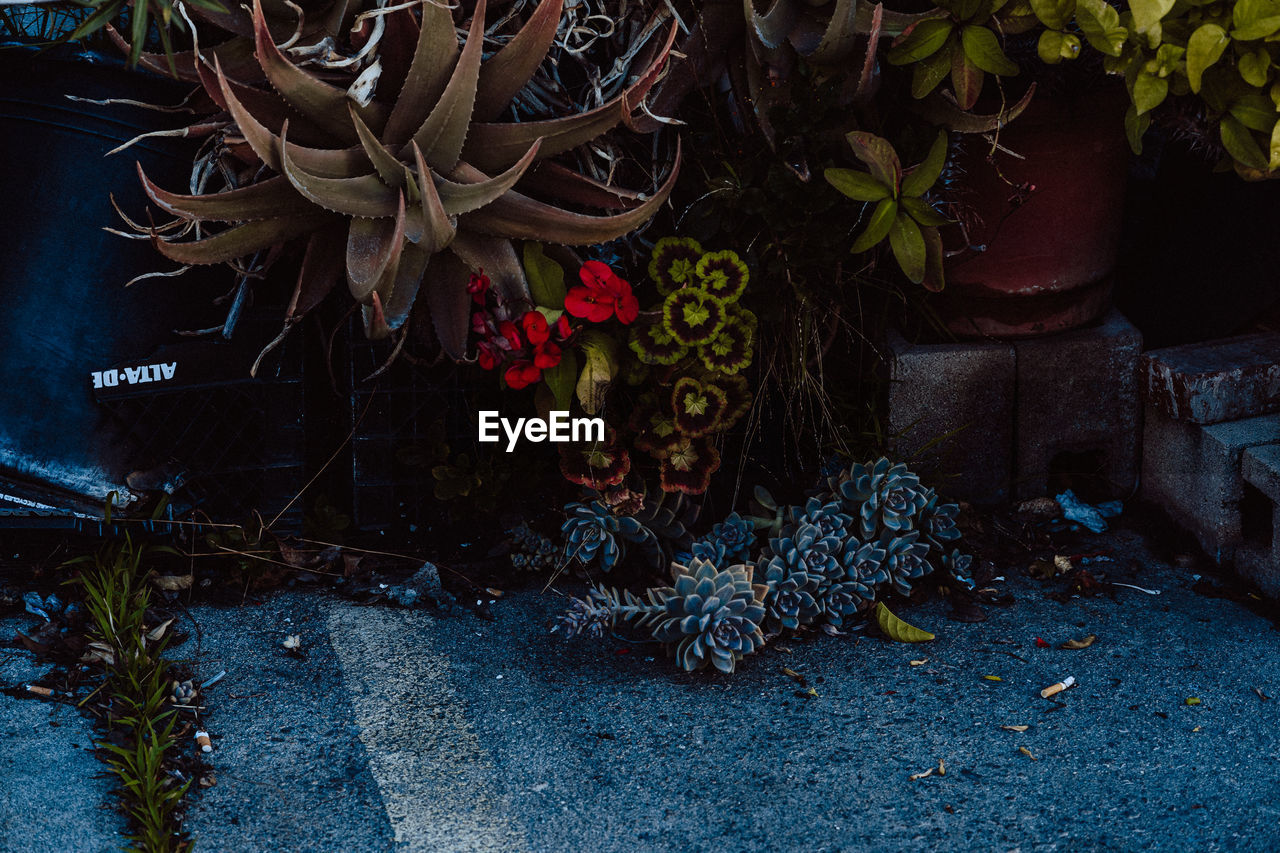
[(116, 598)]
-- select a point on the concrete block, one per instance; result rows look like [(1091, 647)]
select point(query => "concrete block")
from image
[(965, 392), (1078, 394), (1214, 381), (1258, 559), (1194, 472)]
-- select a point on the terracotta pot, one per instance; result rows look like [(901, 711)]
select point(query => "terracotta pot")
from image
[(1042, 228)]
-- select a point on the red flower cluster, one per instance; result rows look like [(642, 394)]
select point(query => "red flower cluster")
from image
[(601, 295), (526, 349)]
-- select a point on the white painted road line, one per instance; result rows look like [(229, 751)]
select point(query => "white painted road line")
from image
[(435, 779)]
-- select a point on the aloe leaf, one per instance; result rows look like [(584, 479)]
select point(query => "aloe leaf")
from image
[(408, 281), (386, 164), (495, 147), (365, 196), (449, 303), (434, 58), (771, 28), (322, 104), (878, 226), (839, 36), (925, 175), (322, 162), (946, 114), (477, 189), (552, 180), (263, 200), (373, 247), (241, 240), (517, 216), (897, 630), (504, 74), (437, 228), (442, 135), (322, 266), (500, 262)]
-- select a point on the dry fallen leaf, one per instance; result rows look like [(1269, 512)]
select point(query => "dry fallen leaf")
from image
[(1015, 728), (1027, 753), (1062, 564), (1193, 700), (1082, 643), (786, 649), (157, 632), (920, 662), (993, 678), (496, 593), (172, 583), (208, 780), (942, 767), (1196, 729), (1261, 695), (897, 630), (917, 776), (791, 673), (292, 642)]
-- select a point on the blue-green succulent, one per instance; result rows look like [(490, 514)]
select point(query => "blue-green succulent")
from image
[(594, 535), (907, 561), (883, 496), (789, 598), (828, 517), (709, 616)]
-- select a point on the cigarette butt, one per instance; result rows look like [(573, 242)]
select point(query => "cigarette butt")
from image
[(1055, 689), (202, 738), (38, 690)]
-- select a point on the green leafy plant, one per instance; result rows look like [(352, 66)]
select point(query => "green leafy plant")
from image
[(902, 212), (117, 595), (963, 43)]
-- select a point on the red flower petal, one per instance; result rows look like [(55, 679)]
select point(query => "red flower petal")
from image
[(536, 330), (547, 355), (511, 333), (522, 374), (628, 307), (587, 304)]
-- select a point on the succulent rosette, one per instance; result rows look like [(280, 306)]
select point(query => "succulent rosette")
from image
[(673, 263), (789, 600), (595, 535), (884, 496), (709, 616), (907, 561), (828, 517)]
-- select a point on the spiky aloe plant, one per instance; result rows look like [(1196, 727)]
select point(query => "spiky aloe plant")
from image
[(414, 186)]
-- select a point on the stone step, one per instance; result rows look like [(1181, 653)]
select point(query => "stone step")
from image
[(1258, 559), (1214, 381), (1194, 472)]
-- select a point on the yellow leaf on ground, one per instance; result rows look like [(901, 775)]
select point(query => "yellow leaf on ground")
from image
[(897, 630)]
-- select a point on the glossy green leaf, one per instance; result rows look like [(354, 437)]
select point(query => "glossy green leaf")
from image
[(1240, 144), (927, 74), (1254, 67), (908, 246), (1100, 23), (562, 379), (879, 156), (1274, 162), (1149, 91), (897, 630), (599, 352), (920, 179), (1147, 13), (1204, 48), (858, 186), (923, 40), (1054, 14), (1135, 127), (922, 212), (1255, 112), (966, 79), (878, 226), (1254, 19), (984, 50), (546, 277)]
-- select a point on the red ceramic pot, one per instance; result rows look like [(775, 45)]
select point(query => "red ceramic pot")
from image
[(1042, 220)]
